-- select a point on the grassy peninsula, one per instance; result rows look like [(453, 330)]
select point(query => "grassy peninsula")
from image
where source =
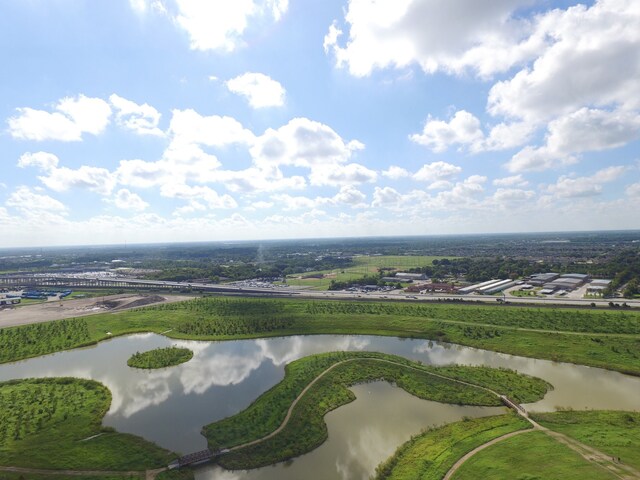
[(530, 455), (319, 384), (56, 423), (160, 358), (430, 455)]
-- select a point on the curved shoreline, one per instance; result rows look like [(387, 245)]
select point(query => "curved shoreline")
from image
[(297, 443), (609, 350)]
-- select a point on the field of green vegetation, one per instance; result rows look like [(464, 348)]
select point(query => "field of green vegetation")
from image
[(306, 429), (431, 454), (363, 266), (612, 432), (160, 358), (530, 456), (596, 337), (46, 423), (42, 338)]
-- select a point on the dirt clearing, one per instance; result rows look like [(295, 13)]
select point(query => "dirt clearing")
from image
[(47, 312)]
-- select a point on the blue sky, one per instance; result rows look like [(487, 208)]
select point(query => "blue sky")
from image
[(194, 120)]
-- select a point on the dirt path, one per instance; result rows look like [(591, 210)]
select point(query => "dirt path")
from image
[(590, 454), (596, 457), (470, 454)]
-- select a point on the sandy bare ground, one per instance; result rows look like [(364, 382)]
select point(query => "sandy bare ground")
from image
[(49, 311)]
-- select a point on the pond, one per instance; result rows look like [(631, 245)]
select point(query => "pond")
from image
[(170, 406)]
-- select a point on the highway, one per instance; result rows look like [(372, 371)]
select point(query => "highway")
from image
[(253, 288)]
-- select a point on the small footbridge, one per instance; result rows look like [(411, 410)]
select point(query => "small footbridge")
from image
[(196, 458), (513, 405)]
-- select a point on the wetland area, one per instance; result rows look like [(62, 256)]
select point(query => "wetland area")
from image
[(170, 406)]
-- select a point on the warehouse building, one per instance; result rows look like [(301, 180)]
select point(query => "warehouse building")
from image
[(473, 288), (500, 287), (539, 279), (597, 287), (567, 282), (495, 287)]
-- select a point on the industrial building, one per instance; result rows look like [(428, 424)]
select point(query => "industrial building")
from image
[(500, 287), (489, 287), (566, 282), (539, 279), (598, 286), (473, 288), (495, 287)]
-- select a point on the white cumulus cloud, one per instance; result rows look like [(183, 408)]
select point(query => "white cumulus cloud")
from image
[(395, 173), (451, 35), (216, 25), (141, 119), (436, 171), (72, 117), (25, 200), (302, 143), (259, 89), (581, 131), (462, 129), (199, 193), (43, 160), (570, 187), (127, 200)]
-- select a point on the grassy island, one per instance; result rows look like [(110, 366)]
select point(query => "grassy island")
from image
[(160, 358), (598, 337), (56, 423), (288, 420)]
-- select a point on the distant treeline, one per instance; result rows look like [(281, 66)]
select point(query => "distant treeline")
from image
[(189, 269)]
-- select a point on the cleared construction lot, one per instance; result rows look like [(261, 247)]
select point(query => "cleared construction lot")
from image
[(49, 311)]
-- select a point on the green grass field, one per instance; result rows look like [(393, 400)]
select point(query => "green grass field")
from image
[(363, 266), (614, 433), (306, 428), (431, 454), (46, 423), (530, 456)]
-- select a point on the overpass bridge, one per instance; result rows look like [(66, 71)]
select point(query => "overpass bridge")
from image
[(58, 281)]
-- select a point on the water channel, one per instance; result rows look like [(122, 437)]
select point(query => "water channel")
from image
[(170, 406)]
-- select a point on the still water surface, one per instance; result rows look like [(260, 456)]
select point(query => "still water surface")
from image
[(170, 406)]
